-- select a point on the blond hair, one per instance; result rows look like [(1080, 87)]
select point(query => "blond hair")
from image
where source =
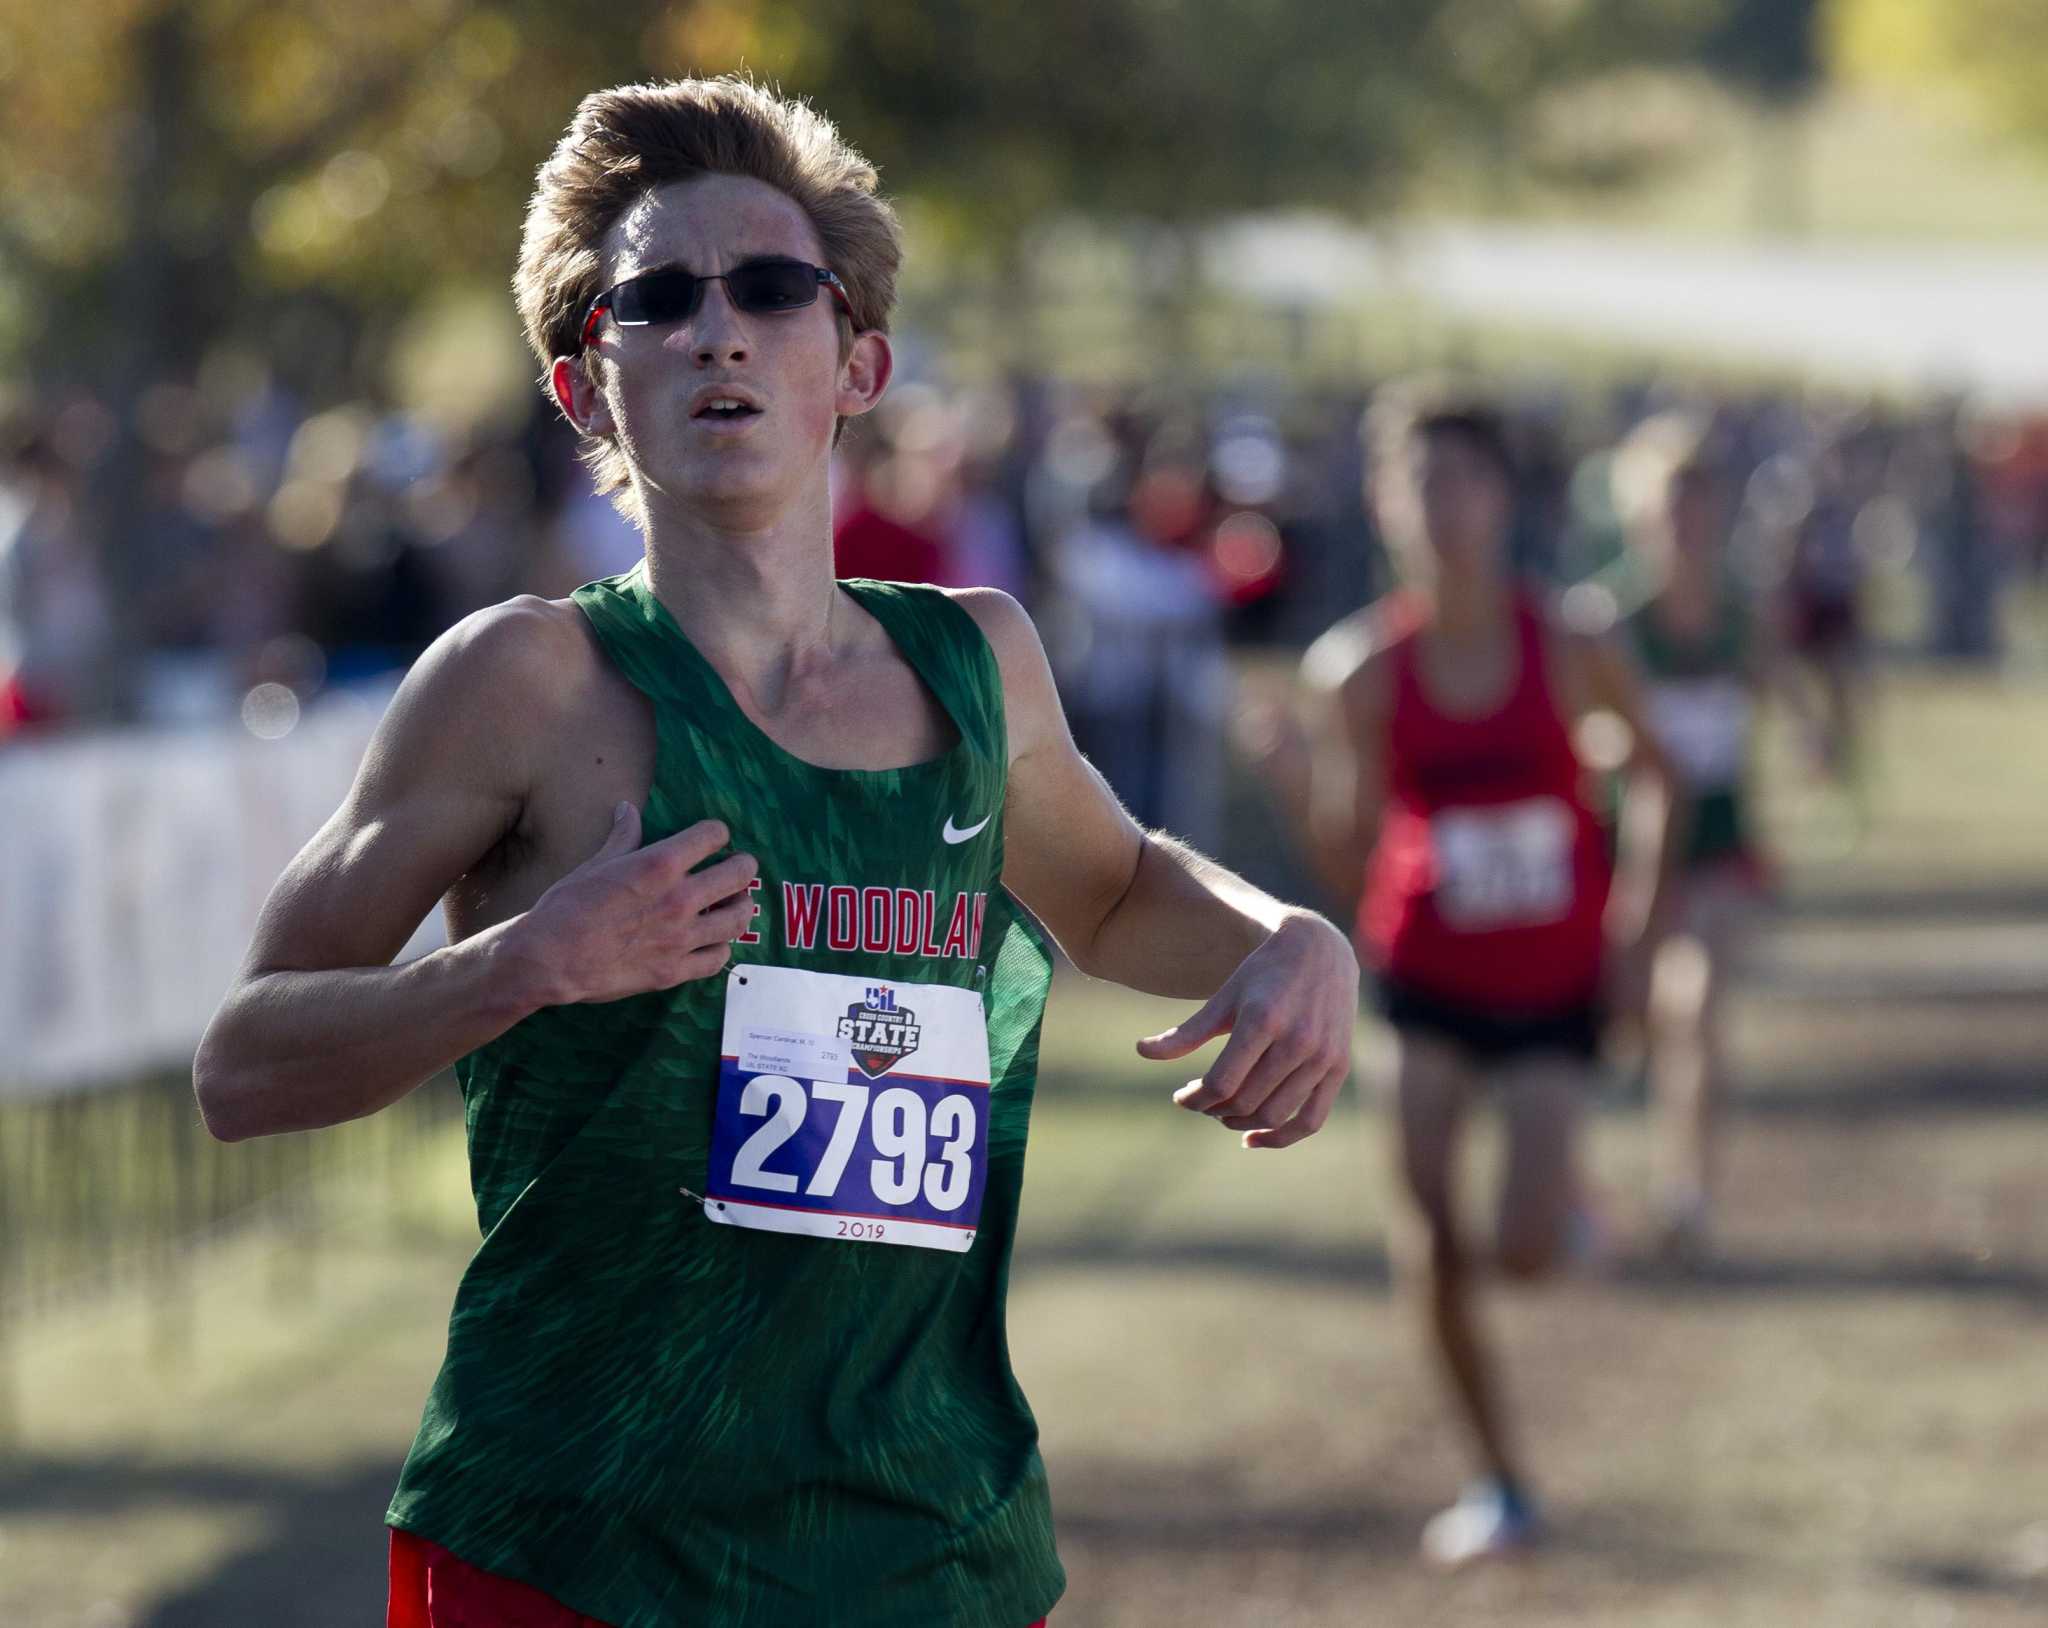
[(627, 141)]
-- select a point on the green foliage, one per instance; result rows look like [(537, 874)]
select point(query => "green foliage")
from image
[(1988, 56), (193, 167), (193, 163)]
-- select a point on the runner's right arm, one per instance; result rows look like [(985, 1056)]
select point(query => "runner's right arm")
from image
[(1343, 685), (319, 1027)]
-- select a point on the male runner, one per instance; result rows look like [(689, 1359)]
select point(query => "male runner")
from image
[(1690, 625), (739, 991), (1443, 794)]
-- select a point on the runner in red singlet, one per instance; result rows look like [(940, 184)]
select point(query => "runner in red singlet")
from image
[(1486, 887), (1442, 783)]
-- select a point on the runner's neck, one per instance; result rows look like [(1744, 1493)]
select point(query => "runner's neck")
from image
[(1473, 609), (760, 607)]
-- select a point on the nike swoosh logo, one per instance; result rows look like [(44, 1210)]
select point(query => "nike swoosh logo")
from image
[(953, 833)]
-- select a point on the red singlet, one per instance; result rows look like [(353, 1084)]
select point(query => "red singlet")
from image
[(1489, 879)]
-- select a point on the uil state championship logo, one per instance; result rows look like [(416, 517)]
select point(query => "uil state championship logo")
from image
[(880, 1032)]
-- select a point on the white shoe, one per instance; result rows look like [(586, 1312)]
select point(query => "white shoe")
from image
[(1488, 1519)]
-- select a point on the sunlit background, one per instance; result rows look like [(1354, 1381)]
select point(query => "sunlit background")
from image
[(267, 427)]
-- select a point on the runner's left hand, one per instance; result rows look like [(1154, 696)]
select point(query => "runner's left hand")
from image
[(1289, 1009)]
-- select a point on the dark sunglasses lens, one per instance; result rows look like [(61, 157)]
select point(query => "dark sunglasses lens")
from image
[(774, 285), (660, 296)]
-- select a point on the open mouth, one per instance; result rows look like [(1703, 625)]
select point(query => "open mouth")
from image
[(726, 410)]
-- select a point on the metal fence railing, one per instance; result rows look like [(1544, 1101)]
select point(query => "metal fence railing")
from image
[(121, 1189)]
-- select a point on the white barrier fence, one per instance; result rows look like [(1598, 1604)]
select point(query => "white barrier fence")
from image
[(132, 867)]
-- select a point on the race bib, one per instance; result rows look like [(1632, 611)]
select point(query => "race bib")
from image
[(850, 1108), (1506, 866), (1703, 725)]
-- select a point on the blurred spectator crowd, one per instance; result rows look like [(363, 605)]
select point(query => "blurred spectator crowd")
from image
[(269, 544)]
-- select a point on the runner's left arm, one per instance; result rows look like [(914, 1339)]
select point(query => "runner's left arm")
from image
[(1144, 910)]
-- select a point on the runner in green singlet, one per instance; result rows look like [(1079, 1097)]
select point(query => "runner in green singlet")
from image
[(1700, 648), (742, 868)]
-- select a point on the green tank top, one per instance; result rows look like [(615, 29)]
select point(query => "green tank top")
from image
[(668, 1423), (1701, 707)]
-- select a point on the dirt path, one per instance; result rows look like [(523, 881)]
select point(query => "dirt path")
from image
[(1840, 1423), (1843, 1419)]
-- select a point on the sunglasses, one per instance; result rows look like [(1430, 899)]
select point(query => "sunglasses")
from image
[(758, 287)]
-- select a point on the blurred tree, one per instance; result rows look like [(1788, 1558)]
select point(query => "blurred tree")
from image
[(1769, 52), (1770, 49), (184, 170), (294, 178), (1986, 55), (187, 170)]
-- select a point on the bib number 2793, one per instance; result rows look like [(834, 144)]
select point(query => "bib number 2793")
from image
[(850, 1109)]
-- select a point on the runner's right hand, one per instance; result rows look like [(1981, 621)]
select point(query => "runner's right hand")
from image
[(632, 919)]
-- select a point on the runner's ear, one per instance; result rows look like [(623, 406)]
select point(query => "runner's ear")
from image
[(582, 403), (864, 375)]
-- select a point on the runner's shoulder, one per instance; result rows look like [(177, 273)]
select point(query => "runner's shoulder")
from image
[(511, 667), (1031, 702), (1351, 660), (1013, 636), (1005, 623), (1582, 623)]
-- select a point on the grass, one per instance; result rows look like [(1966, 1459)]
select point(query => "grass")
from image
[(1839, 1424)]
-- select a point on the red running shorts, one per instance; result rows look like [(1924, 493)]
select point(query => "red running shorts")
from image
[(432, 1588)]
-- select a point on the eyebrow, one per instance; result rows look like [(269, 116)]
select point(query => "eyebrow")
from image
[(769, 258)]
